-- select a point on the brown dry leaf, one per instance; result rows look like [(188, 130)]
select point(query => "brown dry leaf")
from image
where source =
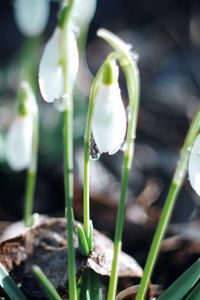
[(100, 259), (45, 245), (130, 293)]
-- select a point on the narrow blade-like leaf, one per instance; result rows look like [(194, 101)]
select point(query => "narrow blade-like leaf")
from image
[(183, 284)]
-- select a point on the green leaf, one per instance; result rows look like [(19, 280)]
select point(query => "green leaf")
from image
[(90, 239), (90, 288), (183, 284), (95, 287), (194, 294), (82, 241), (9, 286), (46, 285)]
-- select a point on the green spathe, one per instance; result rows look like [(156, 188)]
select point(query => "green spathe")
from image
[(26, 99), (110, 72)]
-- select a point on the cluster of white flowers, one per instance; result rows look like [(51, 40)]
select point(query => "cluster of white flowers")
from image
[(109, 117)]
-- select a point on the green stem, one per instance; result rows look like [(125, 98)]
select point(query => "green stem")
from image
[(29, 195), (129, 67), (175, 187), (32, 171), (86, 200), (68, 178), (132, 81), (9, 286), (68, 152), (46, 284)]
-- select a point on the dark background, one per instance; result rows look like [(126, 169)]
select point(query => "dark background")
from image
[(166, 35)]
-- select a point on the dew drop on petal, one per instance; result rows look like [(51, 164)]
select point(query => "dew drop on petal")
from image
[(94, 152), (95, 156)]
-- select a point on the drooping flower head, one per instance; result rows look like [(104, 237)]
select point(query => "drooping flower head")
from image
[(194, 166), (31, 16), (109, 116), (51, 76), (20, 134)]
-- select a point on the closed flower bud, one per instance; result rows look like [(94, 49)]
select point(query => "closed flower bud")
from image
[(194, 166), (109, 117), (31, 16), (19, 142), (51, 79)]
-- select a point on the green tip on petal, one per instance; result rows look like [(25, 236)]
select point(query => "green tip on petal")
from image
[(110, 72), (62, 16), (26, 99)]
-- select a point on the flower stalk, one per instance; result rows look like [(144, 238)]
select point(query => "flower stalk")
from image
[(68, 147), (86, 201), (130, 70), (31, 175), (174, 190), (86, 189), (29, 97)]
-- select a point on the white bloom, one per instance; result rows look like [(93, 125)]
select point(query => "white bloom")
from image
[(194, 166), (31, 16), (84, 12), (51, 79), (109, 119), (19, 142)]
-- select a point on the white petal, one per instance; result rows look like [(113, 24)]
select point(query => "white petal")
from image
[(84, 12), (50, 71), (19, 143), (51, 79), (31, 16), (194, 166), (109, 119), (74, 56)]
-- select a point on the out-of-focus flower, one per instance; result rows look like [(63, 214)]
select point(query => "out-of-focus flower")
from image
[(109, 117), (51, 79), (31, 16), (19, 137), (19, 143), (84, 12), (194, 166)]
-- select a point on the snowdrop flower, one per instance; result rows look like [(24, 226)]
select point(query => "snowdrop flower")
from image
[(20, 134), (83, 12), (19, 143), (31, 16), (51, 79), (194, 166), (109, 117)]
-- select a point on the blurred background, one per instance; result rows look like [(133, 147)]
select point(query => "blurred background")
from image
[(166, 35)]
